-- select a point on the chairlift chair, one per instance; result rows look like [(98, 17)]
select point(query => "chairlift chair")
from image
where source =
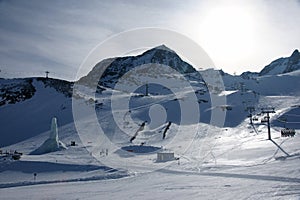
[(287, 132)]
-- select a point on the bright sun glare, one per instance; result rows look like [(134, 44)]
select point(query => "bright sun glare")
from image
[(227, 32)]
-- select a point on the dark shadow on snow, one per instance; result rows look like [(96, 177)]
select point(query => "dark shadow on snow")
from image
[(132, 150), (241, 176), (254, 129), (37, 167), (141, 149), (279, 147)]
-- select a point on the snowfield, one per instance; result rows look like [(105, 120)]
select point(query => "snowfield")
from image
[(233, 163), (112, 154)]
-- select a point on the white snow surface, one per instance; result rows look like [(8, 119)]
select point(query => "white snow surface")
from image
[(31, 117), (232, 162)]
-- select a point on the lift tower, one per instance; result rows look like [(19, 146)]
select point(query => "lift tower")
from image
[(268, 111)]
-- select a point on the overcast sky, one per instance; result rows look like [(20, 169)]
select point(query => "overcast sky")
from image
[(56, 35)]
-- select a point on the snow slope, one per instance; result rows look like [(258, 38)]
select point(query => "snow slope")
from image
[(227, 164), (235, 161), (215, 162), (30, 117)]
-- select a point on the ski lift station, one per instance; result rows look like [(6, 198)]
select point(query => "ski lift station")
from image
[(165, 156)]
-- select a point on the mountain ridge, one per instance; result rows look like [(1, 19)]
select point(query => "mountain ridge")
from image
[(112, 69), (282, 65)]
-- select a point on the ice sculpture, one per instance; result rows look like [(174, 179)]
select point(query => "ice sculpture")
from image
[(52, 143)]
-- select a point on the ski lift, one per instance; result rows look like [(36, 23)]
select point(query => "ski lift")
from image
[(229, 108), (16, 156), (264, 120), (288, 132)]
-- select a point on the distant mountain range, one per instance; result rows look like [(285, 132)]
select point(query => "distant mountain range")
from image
[(117, 67)]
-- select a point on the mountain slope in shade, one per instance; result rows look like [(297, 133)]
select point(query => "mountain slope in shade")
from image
[(283, 65), (28, 105)]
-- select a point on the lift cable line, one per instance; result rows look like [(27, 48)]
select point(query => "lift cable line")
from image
[(293, 115), (268, 111), (282, 120)]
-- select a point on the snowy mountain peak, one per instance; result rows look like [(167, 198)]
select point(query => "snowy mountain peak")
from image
[(295, 57), (115, 68), (282, 65), (296, 52), (163, 47)]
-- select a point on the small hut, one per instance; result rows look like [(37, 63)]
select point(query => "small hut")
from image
[(165, 156)]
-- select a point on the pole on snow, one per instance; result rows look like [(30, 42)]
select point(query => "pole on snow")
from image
[(268, 111)]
